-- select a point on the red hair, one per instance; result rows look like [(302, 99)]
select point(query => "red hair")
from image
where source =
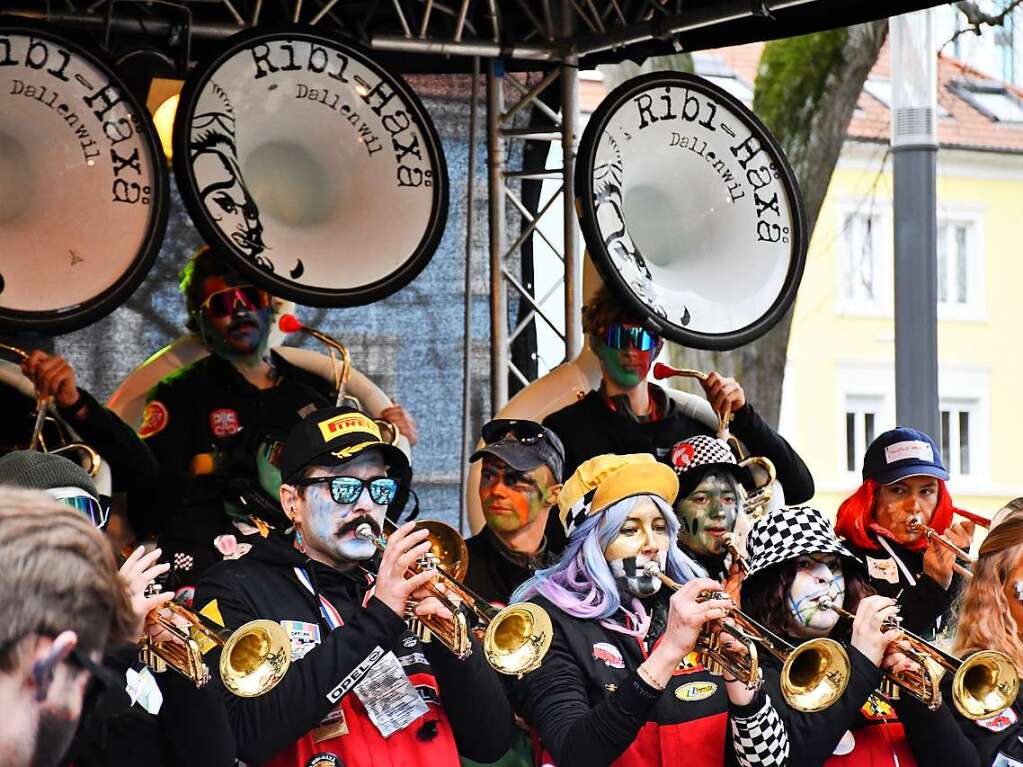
[(856, 516)]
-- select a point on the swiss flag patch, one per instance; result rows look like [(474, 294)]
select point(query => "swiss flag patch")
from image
[(224, 422)]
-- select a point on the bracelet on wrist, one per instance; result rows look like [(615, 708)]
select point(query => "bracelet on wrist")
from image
[(647, 677)]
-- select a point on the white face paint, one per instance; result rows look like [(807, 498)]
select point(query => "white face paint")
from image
[(818, 576), (327, 527), (630, 575), (642, 538)]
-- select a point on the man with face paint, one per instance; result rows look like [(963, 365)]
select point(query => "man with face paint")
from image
[(362, 690), (904, 480), (628, 414), (200, 421), (519, 484), (709, 503), (62, 602), (621, 684), (798, 569)]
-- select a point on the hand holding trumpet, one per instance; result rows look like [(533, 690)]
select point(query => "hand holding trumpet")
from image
[(405, 546)]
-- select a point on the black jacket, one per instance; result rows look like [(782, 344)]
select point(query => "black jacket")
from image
[(926, 606), (203, 431), (591, 707), (471, 710), (996, 741), (590, 427), (494, 571)]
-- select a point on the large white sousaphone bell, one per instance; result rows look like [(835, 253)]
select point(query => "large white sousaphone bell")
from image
[(690, 210), (318, 170), (83, 189)]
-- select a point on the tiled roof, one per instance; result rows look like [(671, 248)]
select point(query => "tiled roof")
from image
[(963, 126)]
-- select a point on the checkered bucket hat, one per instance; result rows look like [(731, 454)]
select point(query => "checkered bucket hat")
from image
[(788, 533)]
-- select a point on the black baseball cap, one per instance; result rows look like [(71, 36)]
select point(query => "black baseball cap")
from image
[(523, 445), (902, 452), (333, 436)]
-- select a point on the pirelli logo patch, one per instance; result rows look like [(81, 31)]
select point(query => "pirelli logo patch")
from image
[(339, 425), (355, 675)]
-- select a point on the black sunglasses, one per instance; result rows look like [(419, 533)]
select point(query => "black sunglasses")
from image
[(523, 432)]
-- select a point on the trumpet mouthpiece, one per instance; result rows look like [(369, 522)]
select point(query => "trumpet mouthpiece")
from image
[(365, 532), (663, 371), (289, 323)]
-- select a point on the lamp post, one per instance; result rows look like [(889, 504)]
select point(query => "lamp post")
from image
[(914, 150)]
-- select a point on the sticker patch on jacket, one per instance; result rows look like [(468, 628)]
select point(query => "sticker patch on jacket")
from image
[(324, 760), (876, 709), (1000, 721), (224, 422), (355, 675), (609, 654), (691, 692), (304, 637), (1005, 761), (154, 419), (883, 569)]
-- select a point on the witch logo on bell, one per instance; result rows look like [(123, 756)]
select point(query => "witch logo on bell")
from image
[(221, 186)]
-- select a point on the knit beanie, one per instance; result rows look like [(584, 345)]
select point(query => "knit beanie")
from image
[(43, 471)]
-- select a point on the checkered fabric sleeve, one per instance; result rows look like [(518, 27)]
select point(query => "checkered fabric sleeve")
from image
[(760, 740)]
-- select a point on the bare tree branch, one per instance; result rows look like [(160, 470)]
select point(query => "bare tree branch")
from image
[(978, 18)]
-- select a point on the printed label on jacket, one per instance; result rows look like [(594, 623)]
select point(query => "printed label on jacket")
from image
[(304, 637), (691, 692), (609, 654), (324, 760), (1000, 721), (390, 698), (355, 675), (883, 569), (1005, 761), (224, 422), (154, 419)]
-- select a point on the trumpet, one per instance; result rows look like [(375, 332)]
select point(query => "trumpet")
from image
[(915, 525), (814, 674), (289, 323), (515, 639), (46, 412), (984, 683), (453, 633), (253, 659)]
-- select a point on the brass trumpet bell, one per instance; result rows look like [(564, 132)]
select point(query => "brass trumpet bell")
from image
[(815, 675), (987, 682), (447, 547), (518, 638), (253, 659)]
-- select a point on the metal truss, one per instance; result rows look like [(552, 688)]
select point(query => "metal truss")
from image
[(552, 31), (562, 126)]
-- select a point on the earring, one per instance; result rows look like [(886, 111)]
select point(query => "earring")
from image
[(298, 540)]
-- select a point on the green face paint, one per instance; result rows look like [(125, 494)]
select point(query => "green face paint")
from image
[(625, 368), (707, 513), (510, 500)]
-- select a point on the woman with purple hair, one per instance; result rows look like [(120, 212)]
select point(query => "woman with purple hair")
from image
[(620, 684)]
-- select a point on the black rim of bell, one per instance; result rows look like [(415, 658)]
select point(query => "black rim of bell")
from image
[(278, 286), (595, 244), (68, 318)]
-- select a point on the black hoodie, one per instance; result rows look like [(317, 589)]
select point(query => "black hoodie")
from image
[(467, 705)]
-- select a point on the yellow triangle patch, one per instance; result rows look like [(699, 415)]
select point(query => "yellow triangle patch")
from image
[(212, 611)]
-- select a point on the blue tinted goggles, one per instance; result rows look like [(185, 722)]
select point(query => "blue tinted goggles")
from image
[(620, 336), (88, 506)]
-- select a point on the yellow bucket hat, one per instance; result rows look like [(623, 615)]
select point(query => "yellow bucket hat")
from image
[(603, 481)]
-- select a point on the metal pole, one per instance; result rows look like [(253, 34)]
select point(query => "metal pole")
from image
[(569, 145), (467, 305), (915, 150), (495, 190)]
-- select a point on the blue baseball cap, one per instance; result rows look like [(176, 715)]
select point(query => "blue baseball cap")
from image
[(901, 453)]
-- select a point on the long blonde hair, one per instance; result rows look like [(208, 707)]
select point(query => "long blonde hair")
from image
[(985, 621)]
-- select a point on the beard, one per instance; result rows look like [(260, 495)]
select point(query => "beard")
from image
[(53, 736)]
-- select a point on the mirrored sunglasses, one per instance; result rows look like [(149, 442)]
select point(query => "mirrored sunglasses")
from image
[(346, 490), (88, 506), (620, 337), (222, 303), (523, 432)]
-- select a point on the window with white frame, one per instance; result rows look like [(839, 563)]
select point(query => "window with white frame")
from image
[(959, 436), (860, 286), (862, 422), (960, 265)]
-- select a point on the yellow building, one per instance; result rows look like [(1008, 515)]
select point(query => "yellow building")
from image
[(840, 381)]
